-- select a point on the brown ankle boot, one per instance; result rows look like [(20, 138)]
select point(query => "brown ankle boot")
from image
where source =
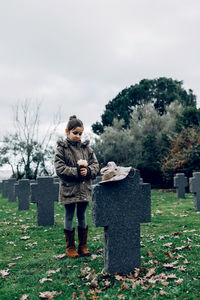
[(70, 250), (82, 236)]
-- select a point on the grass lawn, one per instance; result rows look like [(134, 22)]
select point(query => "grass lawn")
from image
[(170, 262)]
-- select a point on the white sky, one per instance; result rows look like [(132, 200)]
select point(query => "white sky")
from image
[(80, 54)]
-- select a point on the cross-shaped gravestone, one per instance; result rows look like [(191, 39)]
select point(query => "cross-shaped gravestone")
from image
[(22, 191), (180, 183), (195, 188), (4, 189), (120, 207), (10, 189), (44, 192)]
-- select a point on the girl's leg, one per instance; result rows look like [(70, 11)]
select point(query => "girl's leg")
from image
[(69, 214), (81, 214)]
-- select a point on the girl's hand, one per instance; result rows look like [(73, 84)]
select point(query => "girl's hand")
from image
[(83, 171)]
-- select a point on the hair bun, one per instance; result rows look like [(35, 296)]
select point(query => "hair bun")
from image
[(72, 117)]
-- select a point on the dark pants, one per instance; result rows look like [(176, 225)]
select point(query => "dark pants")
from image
[(81, 214)]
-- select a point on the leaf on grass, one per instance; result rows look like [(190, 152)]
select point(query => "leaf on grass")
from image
[(168, 254), (4, 273), (124, 286), (162, 293), (167, 245), (45, 279), (179, 281), (94, 256), (177, 233), (26, 237), (31, 245), (186, 261), (165, 283), (11, 264), (121, 297), (24, 297), (16, 258), (49, 295), (60, 256), (171, 276), (150, 273), (171, 265), (118, 277), (149, 254), (180, 248), (159, 212), (49, 272), (182, 268)]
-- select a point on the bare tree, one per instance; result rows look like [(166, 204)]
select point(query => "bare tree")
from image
[(29, 151)]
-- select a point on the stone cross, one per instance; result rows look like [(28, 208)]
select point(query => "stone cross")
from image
[(120, 207), (4, 189), (180, 183), (44, 192), (22, 191), (195, 188), (10, 189)]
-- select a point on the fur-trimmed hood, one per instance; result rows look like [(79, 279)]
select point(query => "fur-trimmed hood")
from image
[(65, 143)]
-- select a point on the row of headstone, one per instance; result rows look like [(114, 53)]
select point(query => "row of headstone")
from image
[(181, 182)]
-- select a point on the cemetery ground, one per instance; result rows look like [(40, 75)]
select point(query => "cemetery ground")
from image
[(32, 265)]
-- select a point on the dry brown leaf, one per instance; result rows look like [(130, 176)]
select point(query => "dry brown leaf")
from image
[(150, 273), (171, 276), (74, 296), (4, 273), (124, 286), (186, 261), (165, 283), (159, 212), (60, 256), (168, 254), (171, 265), (179, 281), (24, 297), (16, 258), (149, 254), (167, 245), (162, 293), (118, 277), (53, 271), (121, 297), (11, 264), (94, 256), (49, 295), (26, 237), (45, 279)]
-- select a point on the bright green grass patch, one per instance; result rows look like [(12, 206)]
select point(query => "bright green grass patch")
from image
[(170, 246)]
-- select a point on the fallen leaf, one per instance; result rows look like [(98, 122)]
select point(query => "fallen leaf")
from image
[(167, 245), (165, 283), (24, 297), (186, 261), (60, 256), (4, 273), (149, 254), (162, 293), (53, 271), (49, 295), (11, 264), (159, 212), (26, 237), (45, 279), (150, 273), (179, 281), (171, 265)]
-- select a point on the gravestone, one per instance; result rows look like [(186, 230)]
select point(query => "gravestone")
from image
[(1, 186), (44, 192), (180, 183), (56, 179), (120, 207), (10, 189), (22, 191), (4, 189), (194, 183), (96, 180)]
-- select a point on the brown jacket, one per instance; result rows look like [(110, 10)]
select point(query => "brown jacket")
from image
[(73, 187)]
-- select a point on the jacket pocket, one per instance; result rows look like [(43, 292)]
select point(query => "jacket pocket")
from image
[(68, 190)]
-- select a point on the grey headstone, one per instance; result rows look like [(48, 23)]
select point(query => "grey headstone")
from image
[(56, 179), (180, 183), (44, 192), (4, 189), (22, 191), (120, 207), (96, 180), (195, 188), (1, 186), (10, 189)]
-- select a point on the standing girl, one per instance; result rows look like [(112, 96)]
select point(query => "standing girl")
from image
[(75, 164)]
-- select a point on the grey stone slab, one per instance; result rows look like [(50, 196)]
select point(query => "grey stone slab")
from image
[(1, 186), (180, 183), (96, 180), (10, 189), (44, 192), (4, 188), (194, 183), (22, 192), (120, 207)]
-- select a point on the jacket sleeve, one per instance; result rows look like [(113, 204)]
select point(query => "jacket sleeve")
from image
[(93, 164), (62, 170)]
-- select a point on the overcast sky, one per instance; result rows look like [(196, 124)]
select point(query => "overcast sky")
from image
[(79, 54)]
